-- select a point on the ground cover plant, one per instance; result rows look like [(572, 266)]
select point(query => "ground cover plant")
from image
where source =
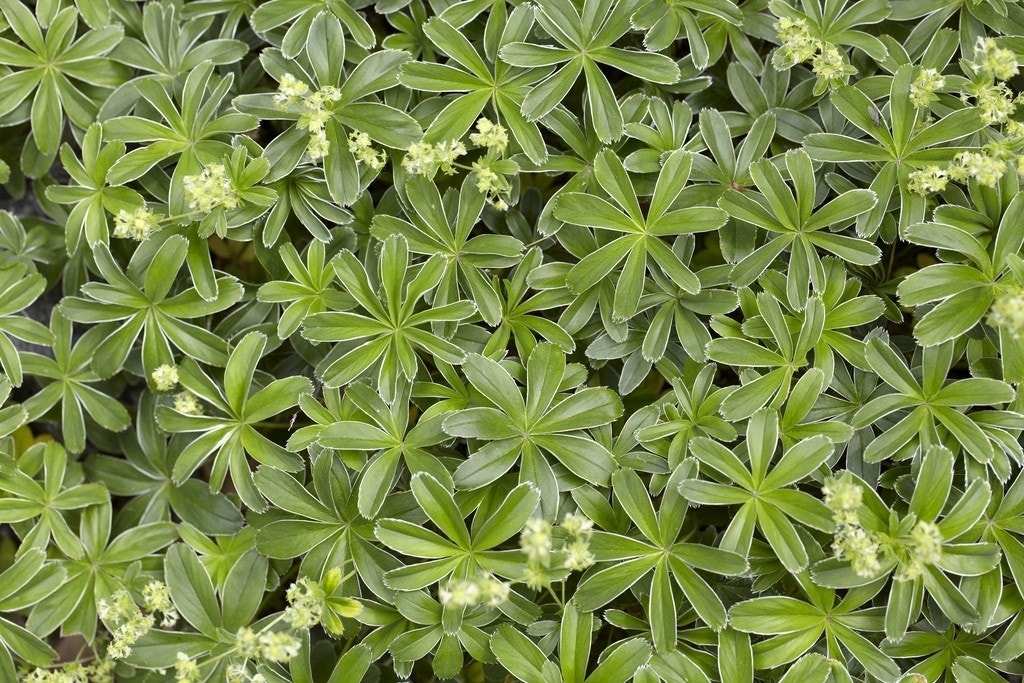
[(561, 341)]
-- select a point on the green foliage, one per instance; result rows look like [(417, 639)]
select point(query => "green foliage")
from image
[(562, 341)]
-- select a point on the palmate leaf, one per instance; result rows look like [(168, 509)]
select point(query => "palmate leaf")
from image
[(323, 526), (586, 39), (641, 242), (391, 331), (457, 550), (764, 496), (526, 429), (91, 196), (659, 550), (98, 574), (598, 435), (964, 291), (933, 404), (796, 624), (69, 383), (356, 107), (502, 85), (899, 145), (137, 301), (233, 436), (797, 225), (28, 580), (434, 230), (47, 61)]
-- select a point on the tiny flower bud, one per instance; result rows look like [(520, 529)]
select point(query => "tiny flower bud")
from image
[(922, 90), (210, 189), (187, 403), (165, 377), (797, 43), (844, 497), (994, 61), (1007, 313), (490, 135), (279, 646), (185, 669), (135, 225), (928, 180)]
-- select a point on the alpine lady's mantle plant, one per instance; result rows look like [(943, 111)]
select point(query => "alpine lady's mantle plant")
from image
[(582, 341)]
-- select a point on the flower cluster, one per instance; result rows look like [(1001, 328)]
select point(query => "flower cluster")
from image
[(239, 673), (490, 171), (537, 542), (925, 548), (305, 603), (829, 64), (314, 116), (578, 529), (490, 135), (985, 169), (187, 403), (925, 85), (98, 671), (279, 646), (135, 225), (1007, 313), (210, 190), (309, 603), (362, 149), (156, 598), (165, 377), (312, 108), (852, 543), (485, 589), (424, 158), (859, 547), (492, 184), (798, 45), (993, 61), (127, 621), (272, 646), (289, 91), (843, 496), (996, 103), (928, 180), (186, 669)]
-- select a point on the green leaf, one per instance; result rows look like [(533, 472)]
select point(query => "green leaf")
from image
[(620, 666), (439, 505), (192, 589), (519, 655), (735, 657), (575, 638)]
